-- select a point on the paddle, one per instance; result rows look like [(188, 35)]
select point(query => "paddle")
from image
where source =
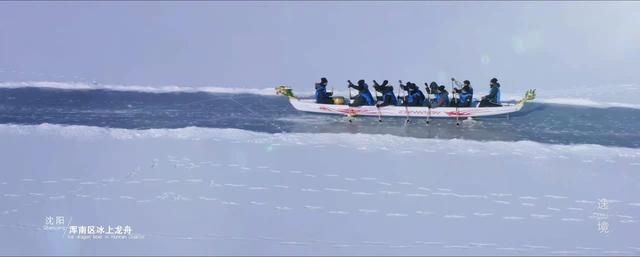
[(428, 103), (453, 94), (349, 102), (377, 107), (406, 104)]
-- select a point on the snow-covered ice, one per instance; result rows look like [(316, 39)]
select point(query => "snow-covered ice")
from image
[(214, 191)]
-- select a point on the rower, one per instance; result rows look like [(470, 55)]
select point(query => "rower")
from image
[(465, 93), (442, 97), (322, 96), (432, 90), (414, 97), (364, 96), (388, 98), (466, 96), (493, 98)]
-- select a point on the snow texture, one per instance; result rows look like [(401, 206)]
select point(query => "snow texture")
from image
[(196, 191)]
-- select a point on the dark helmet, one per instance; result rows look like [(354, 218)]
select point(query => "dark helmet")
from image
[(385, 82), (494, 80), (466, 82), (441, 88), (433, 84), (360, 82), (324, 80)]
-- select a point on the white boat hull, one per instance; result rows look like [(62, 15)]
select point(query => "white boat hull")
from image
[(309, 105)]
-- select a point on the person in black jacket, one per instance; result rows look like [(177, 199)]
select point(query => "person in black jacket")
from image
[(364, 96), (432, 91), (414, 96), (388, 97), (432, 88), (442, 97), (493, 98), (322, 96), (464, 93)]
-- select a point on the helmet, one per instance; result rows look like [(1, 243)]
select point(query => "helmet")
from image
[(324, 80), (466, 82), (360, 82), (494, 80)]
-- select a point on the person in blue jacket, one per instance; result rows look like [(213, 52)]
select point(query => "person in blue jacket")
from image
[(322, 96), (414, 97), (465, 94), (432, 90), (388, 97), (363, 97), (493, 98), (442, 97)]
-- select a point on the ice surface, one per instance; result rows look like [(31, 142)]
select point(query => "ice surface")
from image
[(136, 88), (211, 191), (618, 95), (587, 102)]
